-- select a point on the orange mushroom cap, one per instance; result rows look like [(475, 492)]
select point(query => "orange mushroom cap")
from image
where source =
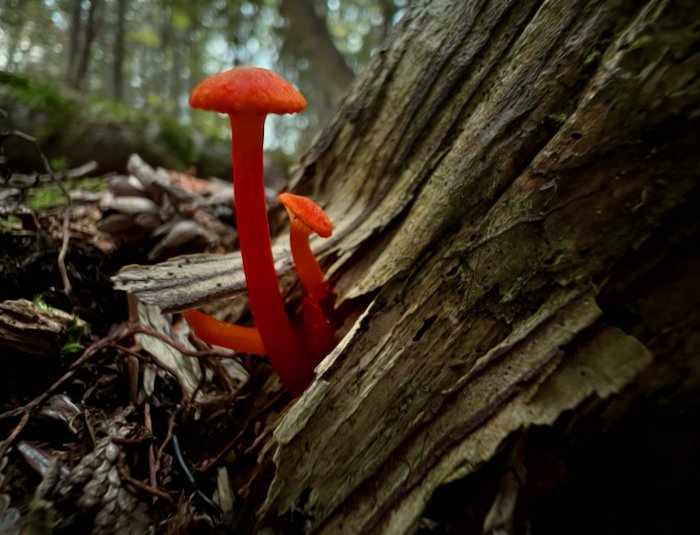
[(247, 90), (307, 212)]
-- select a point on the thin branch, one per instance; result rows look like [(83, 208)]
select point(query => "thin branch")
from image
[(123, 331), (141, 485), (67, 212)]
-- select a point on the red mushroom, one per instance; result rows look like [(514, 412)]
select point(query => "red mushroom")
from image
[(247, 95), (307, 218), (318, 332)]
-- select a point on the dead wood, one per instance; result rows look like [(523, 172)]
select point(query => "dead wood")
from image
[(28, 328), (507, 181), (494, 167)]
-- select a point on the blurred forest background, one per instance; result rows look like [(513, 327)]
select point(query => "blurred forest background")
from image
[(135, 61)]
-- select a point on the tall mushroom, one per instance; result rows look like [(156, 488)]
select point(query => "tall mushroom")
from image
[(247, 95)]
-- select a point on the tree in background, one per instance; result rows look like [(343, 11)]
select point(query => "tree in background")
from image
[(119, 51), (84, 27), (173, 44)]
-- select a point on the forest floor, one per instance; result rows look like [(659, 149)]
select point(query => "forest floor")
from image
[(116, 419), (109, 424)]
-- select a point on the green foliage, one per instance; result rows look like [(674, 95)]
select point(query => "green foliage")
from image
[(171, 135), (40, 304), (48, 196), (30, 101), (60, 163), (171, 46), (33, 93), (591, 58), (180, 19), (556, 119), (639, 42), (59, 120), (9, 223), (76, 335), (45, 197)]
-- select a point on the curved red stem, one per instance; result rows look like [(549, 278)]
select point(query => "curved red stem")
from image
[(307, 267), (319, 332), (224, 334)]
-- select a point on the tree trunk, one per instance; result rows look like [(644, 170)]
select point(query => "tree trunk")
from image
[(118, 60), (14, 18), (515, 226), (309, 35), (80, 67), (175, 82), (74, 31)]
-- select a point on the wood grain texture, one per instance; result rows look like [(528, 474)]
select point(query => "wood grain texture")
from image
[(487, 175), (514, 194)]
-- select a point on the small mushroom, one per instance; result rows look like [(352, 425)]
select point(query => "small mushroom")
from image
[(318, 332), (306, 218)]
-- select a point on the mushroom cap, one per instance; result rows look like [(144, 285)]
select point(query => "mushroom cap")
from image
[(308, 212), (247, 90)]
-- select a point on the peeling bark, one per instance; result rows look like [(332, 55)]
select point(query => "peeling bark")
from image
[(514, 192), (494, 167)]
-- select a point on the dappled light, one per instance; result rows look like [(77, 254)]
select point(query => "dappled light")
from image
[(150, 54)]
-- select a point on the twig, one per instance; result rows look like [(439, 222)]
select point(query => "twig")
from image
[(168, 437), (138, 329), (26, 410), (149, 359), (66, 214), (141, 485), (123, 331), (100, 344), (14, 434), (111, 340), (206, 464), (148, 422), (121, 441)]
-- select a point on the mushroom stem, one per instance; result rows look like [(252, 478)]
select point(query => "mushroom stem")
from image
[(288, 357), (310, 274), (305, 219), (221, 333), (318, 331)]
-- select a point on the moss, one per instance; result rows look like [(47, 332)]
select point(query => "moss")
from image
[(30, 102), (591, 58), (639, 42), (177, 138), (79, 129), (45, 197), (75, 337), (49, 195), (9, 223), (556, 119), (33, 93)]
